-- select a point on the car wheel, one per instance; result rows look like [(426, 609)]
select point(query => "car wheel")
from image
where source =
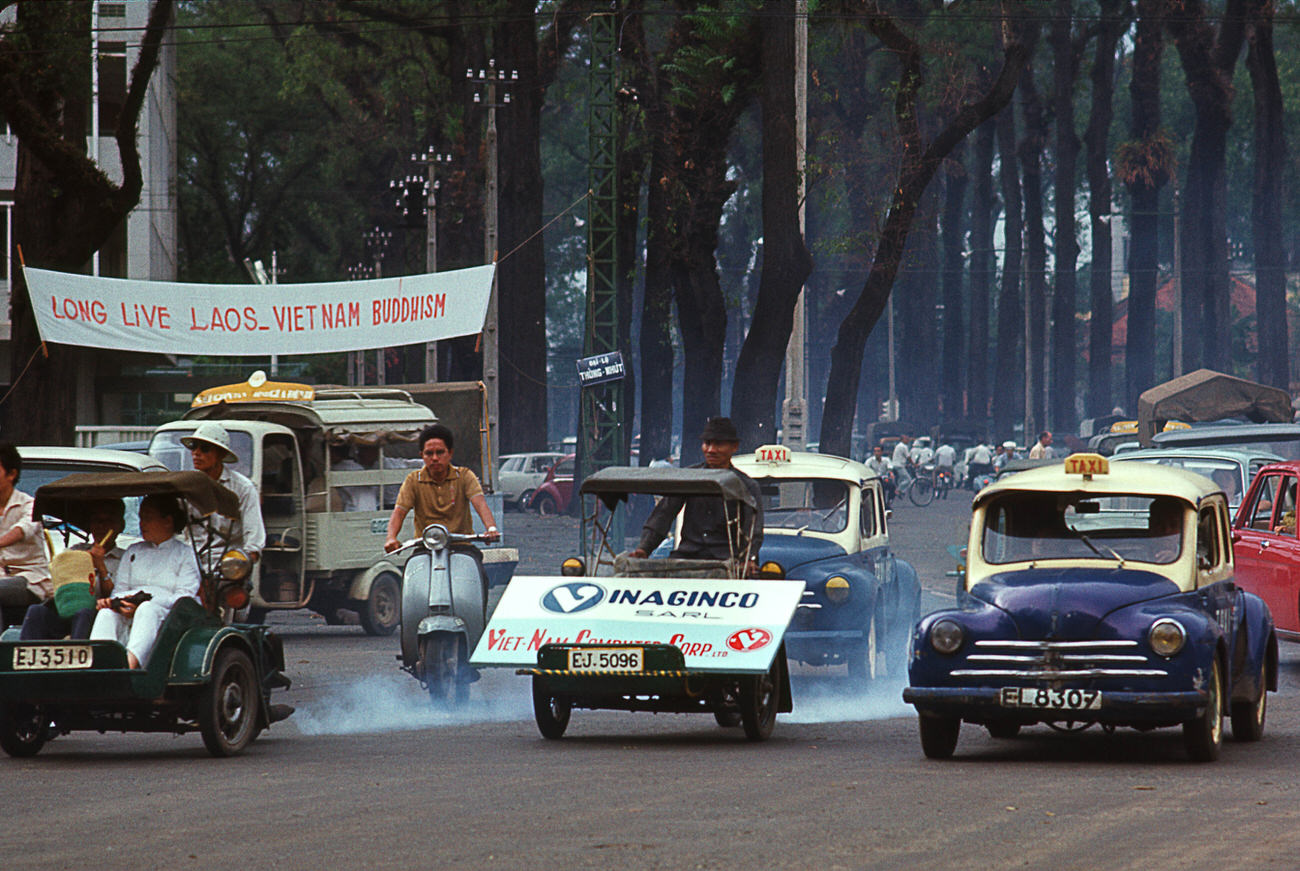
[(524, 497), (546, 505), (760, 696), (382, 610), (1203, 736), (864, 656), (938, 735), (922, 492), (1248, 717), (228, 704), (23, 729), (1003, 730), (550, 711)]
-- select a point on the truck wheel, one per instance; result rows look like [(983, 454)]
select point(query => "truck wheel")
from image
[(23, 729), (760, 697), (551, 711), (1248, 717), (1203, 736), (228, 705), (939, 736), (382, 610), (547, 506)]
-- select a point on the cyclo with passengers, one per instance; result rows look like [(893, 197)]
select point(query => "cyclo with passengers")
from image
[(205, 674), (649, 634), (1096, 593)]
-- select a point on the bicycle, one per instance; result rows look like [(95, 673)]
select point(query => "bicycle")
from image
[(919, 487)]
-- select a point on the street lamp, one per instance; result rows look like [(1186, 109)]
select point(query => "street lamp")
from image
[(431, 159), (493, 79)]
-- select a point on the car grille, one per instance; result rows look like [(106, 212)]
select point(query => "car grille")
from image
[(1059, 660)]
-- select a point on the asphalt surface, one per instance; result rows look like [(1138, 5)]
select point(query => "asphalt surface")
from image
[(366, 774)]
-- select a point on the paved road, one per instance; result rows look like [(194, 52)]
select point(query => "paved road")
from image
[(366, 775)]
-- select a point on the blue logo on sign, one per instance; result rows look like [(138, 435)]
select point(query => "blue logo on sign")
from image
[(572, 598)]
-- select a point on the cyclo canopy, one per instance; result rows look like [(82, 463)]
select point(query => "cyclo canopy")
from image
[(68, 497), (615, 483)]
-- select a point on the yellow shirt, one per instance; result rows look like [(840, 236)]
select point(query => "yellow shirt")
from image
[(446, 503)]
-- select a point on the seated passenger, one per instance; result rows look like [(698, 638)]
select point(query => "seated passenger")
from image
[(25, 579), (57, 617), (162, 566)]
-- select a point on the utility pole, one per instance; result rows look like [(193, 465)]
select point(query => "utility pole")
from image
[(356, 359), (377, 242), (794, 410), (492, 78), (408, 189), (1178, 286), (258, 273)]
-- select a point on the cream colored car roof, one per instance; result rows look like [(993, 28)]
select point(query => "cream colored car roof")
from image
[(804, 464), (1124, 478)]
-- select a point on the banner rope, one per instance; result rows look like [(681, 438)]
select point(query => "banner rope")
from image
[(569, 208)]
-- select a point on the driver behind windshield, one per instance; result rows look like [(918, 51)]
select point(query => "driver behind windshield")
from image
[(60, 616), (705, 525), (154, 574)]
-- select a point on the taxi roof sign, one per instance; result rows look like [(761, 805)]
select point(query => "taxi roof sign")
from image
[(1087, 465), (772, 454), (256, 389)]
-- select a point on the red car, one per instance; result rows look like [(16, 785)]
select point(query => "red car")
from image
[(1265, 545), (553, 496)]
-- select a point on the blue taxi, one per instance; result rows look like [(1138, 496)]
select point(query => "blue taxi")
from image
[(825, 523), (1097, 592)]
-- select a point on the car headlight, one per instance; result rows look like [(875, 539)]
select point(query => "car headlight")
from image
[(772, 571), (1167, 636), (946, 636), (573, 567), (435, 536), (837, 589), (235, 565)]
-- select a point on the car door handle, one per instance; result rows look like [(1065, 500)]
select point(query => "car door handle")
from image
[(1263, 545)]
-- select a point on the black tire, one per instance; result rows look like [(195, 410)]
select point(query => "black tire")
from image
[(23, 729), (939, 735), (1248, 717), (228, 704), (551, 711), (441, 664), (382, 610), (921, 492), (760, 697), (864, 656), (546, 505), (1203, 736), (522, 504), (1003, 730)]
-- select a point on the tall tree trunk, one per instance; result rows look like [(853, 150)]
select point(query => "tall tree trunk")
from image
[(1031, 164), (1097, 139), (1144, 165), (952, 231), (1061, 386), (984, 211), (786, 261), (1267, 198), (1209, 57), (1009, 366), (915, 326), (65, 207), (919, 162)]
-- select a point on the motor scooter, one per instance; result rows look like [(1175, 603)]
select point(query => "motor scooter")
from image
[(444, 610)]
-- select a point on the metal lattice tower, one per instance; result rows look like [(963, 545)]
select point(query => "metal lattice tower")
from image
[(601, 430)]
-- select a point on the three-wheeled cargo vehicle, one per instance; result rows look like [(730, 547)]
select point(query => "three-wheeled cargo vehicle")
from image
[(662, 635), (328, 463), (204, 675)]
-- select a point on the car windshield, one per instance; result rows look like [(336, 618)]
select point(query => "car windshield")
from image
[(167, 449), (36, 474), (1020, 527), (816, 504), (1225, 473)]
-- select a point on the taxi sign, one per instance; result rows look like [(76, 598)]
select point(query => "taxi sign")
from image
[(772, 454), (256, 389), (1087, 465)]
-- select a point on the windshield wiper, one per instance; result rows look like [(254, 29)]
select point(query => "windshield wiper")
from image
[(1088, 541)]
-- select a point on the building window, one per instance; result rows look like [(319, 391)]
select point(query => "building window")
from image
[(112, 85)]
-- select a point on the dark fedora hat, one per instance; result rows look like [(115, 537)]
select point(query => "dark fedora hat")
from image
[(719, 429)]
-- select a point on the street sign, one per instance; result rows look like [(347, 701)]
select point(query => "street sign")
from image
[(600, 368)]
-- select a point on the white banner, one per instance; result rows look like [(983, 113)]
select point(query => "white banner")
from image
[(732, 627), (231, 320)]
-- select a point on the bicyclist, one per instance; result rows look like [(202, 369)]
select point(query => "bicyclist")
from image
[(901, 459)]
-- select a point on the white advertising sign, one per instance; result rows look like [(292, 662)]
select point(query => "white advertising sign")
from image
[(170, 317), (725, 626)]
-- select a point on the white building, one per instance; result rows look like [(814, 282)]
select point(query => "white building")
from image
[(145, 247)]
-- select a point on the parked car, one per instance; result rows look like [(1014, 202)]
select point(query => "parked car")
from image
[(1282, 439), (1265, 543), (1097, 592), (825, 523), (1232, 470), (521, 474), (552, 497)]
